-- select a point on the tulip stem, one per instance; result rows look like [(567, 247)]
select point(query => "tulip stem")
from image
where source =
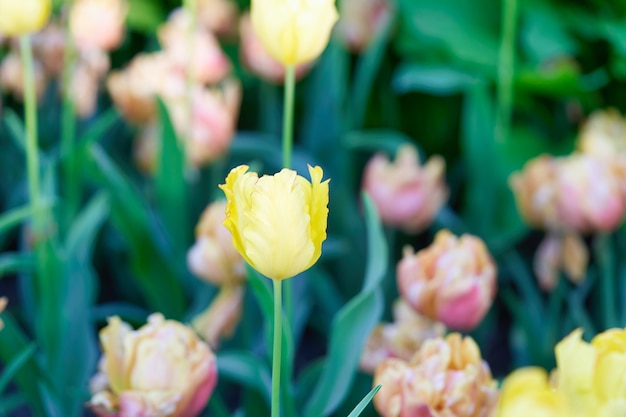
[(30, 116), (288, 110), (278, 327)]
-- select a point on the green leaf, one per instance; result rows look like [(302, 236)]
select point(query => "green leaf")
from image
[(16, 128), (13, 367), (364, 402), (152, 262), (171, 187), (352, 326), (145, 15), (16, 216), (372, 140), (367, 69), (246, 369), (11, 263), (439, 80)]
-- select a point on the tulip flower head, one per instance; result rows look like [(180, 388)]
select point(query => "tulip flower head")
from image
[(294, 31), (527, 392), (278, 222), (161, 369), (452, 281), (20, 17)]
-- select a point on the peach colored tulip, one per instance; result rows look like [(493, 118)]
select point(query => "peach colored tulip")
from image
[(445, 378), (221, 318), (400, 339), (256, 59), (135, 88), (98, 24), (452, 281), (406, 194), (161, 369), (12, 76), (578, 192), (213, 257), (591, 194), (49, 48), (560, 252), (218, 16), (360, 20), (197, 51)]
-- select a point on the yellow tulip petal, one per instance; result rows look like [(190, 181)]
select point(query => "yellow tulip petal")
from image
[(112, 339), (18, 17), (277, 237)]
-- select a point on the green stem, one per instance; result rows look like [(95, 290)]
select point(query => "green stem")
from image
[(506, 67), (288, 110), (30, 116), (68, 138), (606, 260), (278, 327)]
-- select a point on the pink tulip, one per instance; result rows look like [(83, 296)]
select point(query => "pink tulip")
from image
[(406, 194), (452, 281), (98, 24)]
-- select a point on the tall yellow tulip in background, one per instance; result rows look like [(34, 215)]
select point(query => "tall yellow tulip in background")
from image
[(20, 17), (294, 31), (278, 222)]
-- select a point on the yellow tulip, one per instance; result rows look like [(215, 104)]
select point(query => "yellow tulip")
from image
[(294, 31), (278, 222), (526, 392), (19, 17)]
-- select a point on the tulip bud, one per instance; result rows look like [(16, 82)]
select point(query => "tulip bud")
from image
[(12, 76), (196, 51), (213, 257), (406, 194), (294, 31), (19, 17), (3, 304), (452, 281), (220, 319), (560, 252), (218, 16), (603, 134), (360, 20), (257, 60), (400, 339), (98, 24), (161, 369), (446, 377), (278, 222)]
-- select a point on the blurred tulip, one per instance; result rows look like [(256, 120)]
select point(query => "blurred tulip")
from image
[(446, 377), (161, 369), (400, 339), (12, 76), (134, 89), (603, 134), (406, 194), (197, 51), (560, 252), (3, 300), (257, 60), (360, 20), (452, 281), (591, 375), (221, 318), (146, 148), (19, 17), (213, 257), (527, 392), (218, 16), (579, 192), (98, 23), (278, 222), (49, 48), (294, 31), (207, 134)]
